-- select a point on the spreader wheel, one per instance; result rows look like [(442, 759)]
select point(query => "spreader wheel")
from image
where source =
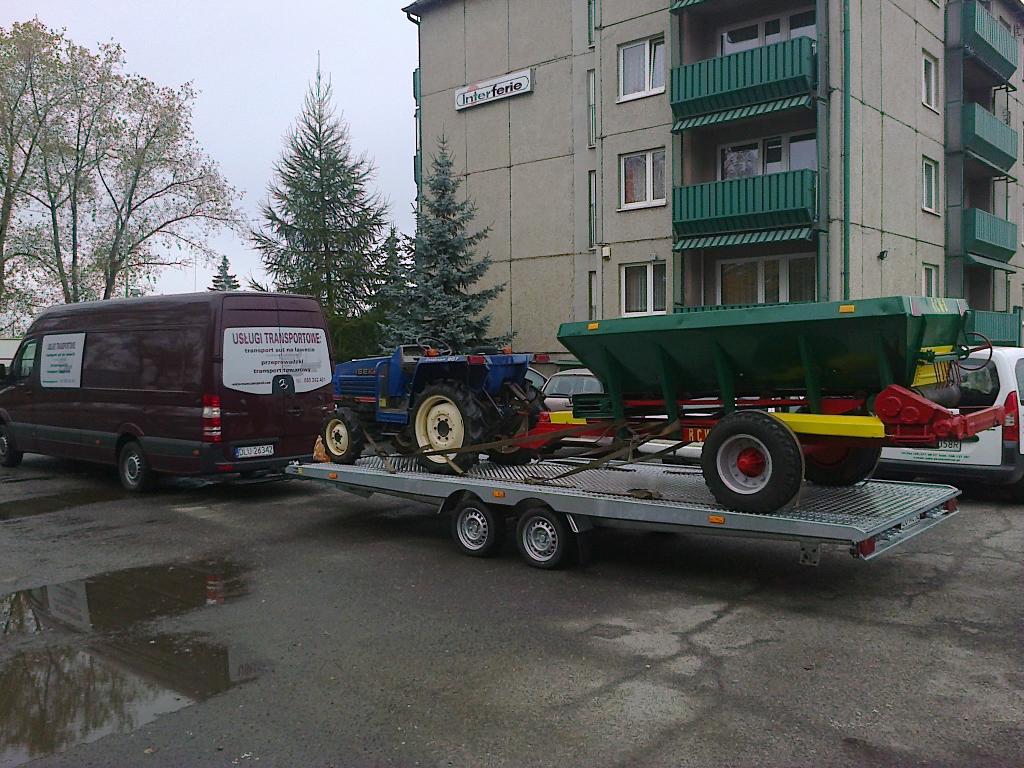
[(752, 462), (838, 465)]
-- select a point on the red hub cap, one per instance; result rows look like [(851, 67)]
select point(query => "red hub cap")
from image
[(751, 462)]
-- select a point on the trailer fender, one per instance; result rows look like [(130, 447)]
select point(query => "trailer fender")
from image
[(449, 503), (579, 523)]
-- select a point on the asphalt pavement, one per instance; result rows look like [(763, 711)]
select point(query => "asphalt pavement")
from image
[(286, 624)]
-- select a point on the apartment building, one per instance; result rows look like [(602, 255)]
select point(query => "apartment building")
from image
[(636, 157)]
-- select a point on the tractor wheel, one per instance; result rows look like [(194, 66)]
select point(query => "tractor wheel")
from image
[(752, 462), (448, 416), (515, 455), (343, 437), (837, 465), (404, 443)]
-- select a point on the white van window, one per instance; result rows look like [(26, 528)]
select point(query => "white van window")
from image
[(26, 362), (1019, 372), (979, 385), (263, 360)]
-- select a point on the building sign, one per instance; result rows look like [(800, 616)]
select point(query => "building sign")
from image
[(61, 361), (487, 91), (271, 360)]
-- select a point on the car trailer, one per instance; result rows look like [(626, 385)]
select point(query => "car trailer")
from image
[(558, 502)]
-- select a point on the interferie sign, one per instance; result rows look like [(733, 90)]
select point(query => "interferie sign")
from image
[(60, 365), (255, 357)]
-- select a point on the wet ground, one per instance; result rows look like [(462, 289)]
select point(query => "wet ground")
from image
[(290, 625)]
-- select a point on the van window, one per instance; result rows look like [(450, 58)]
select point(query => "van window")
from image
[(979, 385), (26, 363), (1019, 371), (111, 360), (171, 360)]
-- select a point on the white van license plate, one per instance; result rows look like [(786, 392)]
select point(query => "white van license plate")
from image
[(949, 445), (252, 451)]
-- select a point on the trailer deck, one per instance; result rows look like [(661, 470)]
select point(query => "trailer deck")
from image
[(869, 518)]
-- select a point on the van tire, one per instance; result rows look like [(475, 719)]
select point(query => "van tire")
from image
[(10, 456), (343, 437), (134, 470)]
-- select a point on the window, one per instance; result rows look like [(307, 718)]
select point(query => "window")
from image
[(771, 155), (643, 288), (641, 69), (591, 295), (767, 280), (930, 185), (26, 362), (591, 20), (591, 107), (592, 209), (930, 81), (765, 31), (643, 179), (929, 280)]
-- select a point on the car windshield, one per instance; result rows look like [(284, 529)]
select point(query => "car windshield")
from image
[(572, 384)]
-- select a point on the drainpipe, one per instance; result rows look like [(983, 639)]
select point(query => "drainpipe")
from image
[(601, 249), (412, 18), (846, 149)]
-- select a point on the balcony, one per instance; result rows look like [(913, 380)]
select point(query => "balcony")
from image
[(988, 236), (1001, 328), (769, 78), (988, 41), (988, 138), (787, 199)]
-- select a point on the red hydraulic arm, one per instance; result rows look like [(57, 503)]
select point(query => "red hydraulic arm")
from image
[(914, 420)]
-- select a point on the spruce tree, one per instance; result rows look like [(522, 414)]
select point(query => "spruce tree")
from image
[(446, 267), (224, 280), (322, 224), (396, 299)]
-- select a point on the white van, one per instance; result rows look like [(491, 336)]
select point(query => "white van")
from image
[(993, 457)]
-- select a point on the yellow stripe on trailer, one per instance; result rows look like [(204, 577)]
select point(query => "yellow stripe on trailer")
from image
[(827, 425), (564, 417)]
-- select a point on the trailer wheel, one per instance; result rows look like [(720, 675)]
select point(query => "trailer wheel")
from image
[(838, 465), (542, 537), (477, 528), (752, 462), (448, 416), (10, 456), (343, 436)]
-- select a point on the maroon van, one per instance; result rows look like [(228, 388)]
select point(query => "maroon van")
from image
[(192, 384)]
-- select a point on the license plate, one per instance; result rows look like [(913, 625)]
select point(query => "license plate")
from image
[(950, 445), (252, 451)]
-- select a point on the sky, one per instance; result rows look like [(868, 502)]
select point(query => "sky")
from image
[(251, 62)]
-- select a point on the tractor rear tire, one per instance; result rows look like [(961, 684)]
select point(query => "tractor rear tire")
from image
[(515, 455), (839, 465), (752, 462), (343, 437), (448, 415)]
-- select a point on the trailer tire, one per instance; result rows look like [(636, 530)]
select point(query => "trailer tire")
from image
[(10, 456), (343, 437), (477, 528), (837, 465), (752, 462), (542, 537), (448, 408)]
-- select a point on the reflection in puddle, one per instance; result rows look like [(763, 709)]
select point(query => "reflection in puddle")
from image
[(102, 677)]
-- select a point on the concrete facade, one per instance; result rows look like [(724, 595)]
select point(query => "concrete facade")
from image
[(528, 158)]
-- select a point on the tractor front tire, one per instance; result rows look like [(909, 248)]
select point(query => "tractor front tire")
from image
[(752, 462), (343, 437), (839, 465), (448, 416)]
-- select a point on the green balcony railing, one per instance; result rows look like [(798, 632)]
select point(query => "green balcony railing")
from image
[(767, 73), (1002, 328), (988, 137), (988, 235), (988, 41), (777, 200)]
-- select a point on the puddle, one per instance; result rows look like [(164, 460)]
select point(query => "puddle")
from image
[(101, 672), (41, 505)]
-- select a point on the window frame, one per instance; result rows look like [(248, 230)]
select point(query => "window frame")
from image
[(649, 88), (649, 201), (932, 270), (591, 23), (782, 258), (650, 267), (592, 209), (591, 107), (761, 142), (936, 200), (19, 359), (784, 29), (592, 294), (930, 96)]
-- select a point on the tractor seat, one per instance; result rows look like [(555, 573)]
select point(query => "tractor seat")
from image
[(410, 355)]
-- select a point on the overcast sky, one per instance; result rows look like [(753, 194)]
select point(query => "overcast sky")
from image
[(251, 61)]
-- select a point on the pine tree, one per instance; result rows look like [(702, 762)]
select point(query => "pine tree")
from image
[(395, 299), (446, 267), (224, 280), (322, 225)]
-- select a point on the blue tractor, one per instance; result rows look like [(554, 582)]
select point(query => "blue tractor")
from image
[(422, 399)]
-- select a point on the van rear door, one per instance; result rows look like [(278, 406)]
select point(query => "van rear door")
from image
[(309, 364)]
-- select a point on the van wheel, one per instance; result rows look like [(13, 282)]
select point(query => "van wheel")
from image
[(9, 455), (343, 435), (133, 468)]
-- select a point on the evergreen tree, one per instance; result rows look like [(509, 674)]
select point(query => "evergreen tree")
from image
[(396, 298), (446, 267), (322, 224), (224, 280)]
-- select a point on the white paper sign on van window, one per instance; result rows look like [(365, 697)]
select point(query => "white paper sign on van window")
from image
[(61, 362), (267, 360)]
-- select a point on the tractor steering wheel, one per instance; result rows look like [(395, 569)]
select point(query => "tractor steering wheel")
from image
[(440, 346)]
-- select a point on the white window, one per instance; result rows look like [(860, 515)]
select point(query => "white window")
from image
[(773, 154), (591, 107), (591, 295), (767, 280), (592, 209), (642, 177), (642, 288), (929, 280), (930, 81), (767, 30), (591, 20), (929, 185), (642, 69)]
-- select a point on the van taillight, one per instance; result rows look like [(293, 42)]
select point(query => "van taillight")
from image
[(211, 419), (1011, 419)]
